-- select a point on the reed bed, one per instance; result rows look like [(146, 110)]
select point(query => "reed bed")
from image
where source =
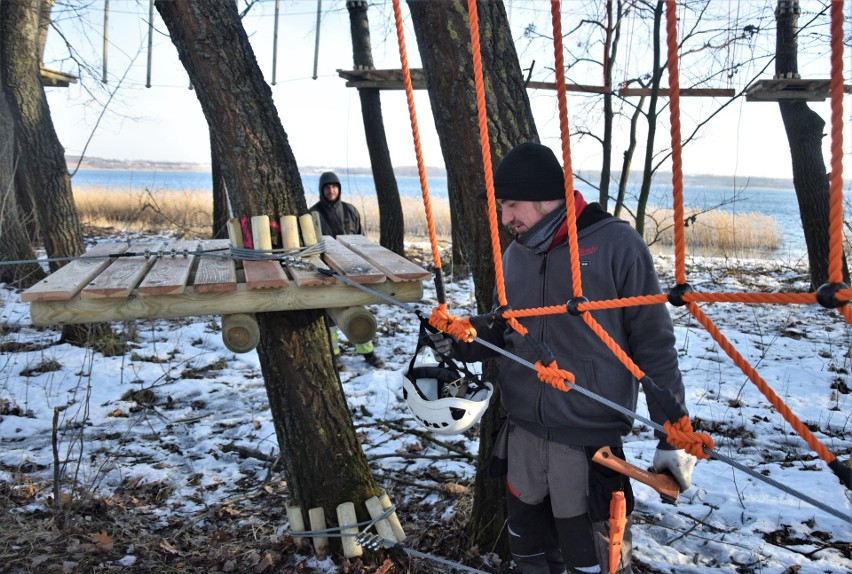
[(190, 212)]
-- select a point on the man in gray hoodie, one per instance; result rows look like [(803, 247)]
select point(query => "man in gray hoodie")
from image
[(558, 499), (340, 218)]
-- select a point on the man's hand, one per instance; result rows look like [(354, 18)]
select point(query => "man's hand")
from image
[(442, 343), (678, 463)]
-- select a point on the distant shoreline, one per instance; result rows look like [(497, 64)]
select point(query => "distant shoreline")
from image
[(95, 163)]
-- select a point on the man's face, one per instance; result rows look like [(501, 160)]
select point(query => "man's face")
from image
[(331, 191), (521, 216)]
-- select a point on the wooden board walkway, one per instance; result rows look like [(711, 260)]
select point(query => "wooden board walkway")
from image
[(153, 279)]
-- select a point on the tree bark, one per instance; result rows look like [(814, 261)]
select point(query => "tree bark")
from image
[(14, 244), (443, 38), (391, 220), (41, 174), (805, 132), (323, 460)]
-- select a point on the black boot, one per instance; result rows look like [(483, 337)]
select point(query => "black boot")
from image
[(373, 360)]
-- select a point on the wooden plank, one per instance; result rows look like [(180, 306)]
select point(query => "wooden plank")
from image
[(397, 268), (215, 273), (170, 273), (350, 264), (120, 278), (302, 277), (265, 275), (67, 281), (191, 303), (685, 92)]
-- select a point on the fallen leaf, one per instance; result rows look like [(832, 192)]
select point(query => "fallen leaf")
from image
[(104, 541)]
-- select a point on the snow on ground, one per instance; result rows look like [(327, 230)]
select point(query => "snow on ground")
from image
[(181, 411)]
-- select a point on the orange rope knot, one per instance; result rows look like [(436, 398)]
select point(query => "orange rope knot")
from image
[(448, 323), (682, 436), (554, 376)]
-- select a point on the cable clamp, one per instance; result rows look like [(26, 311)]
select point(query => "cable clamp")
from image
[(827, 295), (677, 292), (573, 305)]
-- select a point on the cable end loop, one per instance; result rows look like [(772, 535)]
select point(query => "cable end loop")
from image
[(681, 435)]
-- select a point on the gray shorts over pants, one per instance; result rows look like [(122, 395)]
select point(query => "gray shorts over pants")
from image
[(548, 488)]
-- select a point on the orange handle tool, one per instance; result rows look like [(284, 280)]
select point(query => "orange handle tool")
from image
[(662, 483), (617, 524)]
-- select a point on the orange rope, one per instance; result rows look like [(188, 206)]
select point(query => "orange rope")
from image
[(482, 113), (554, 376), (565, 135), (415, 132), (677, 160), (613, 346), (681, 435), (835, 266), (767, 391)]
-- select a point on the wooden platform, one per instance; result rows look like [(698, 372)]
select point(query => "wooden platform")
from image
[(152, 279), (801, 89)]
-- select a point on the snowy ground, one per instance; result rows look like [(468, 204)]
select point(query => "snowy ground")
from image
[(185, 421)]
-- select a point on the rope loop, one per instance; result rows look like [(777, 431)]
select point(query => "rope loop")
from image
[(682, 436), (554, 376), (448, 323)]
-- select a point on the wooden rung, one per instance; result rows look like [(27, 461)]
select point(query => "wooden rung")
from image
[(383, 527), (68, 280), (349, 264), (170, 273), (297, 522), (397, 268), (215, 274), (317, 519), (347, 521), (119, 279), (399, 533), (301, 277)]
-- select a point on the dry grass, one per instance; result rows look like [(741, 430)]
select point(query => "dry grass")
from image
[(190, 212)]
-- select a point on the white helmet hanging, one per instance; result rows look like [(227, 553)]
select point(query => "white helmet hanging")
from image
[(441, 398)]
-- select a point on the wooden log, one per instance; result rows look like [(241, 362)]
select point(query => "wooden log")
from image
[(347, 521), (383, 527), (67, 281), (191, 303), (357, 323), (317, 518), (393, 519), (235, 232), (260, 234), (297, 522), (240, 332)]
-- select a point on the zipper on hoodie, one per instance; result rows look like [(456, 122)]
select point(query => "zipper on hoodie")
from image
[(540, 395)]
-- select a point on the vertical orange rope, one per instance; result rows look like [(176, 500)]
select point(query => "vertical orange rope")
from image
[(415, 132), (565, 135), (482, 112), (835, 231), (677, 159)]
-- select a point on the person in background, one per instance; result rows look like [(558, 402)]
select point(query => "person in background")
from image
[(558, 499), (340, 218)]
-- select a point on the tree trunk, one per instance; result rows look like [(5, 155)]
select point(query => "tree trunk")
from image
[(648, 169), (391, 220), (14, 244), (324, 463), (41, 173), (443, 38), (221, 212), (804, 129)]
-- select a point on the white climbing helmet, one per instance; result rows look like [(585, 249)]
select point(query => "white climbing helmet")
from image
[(442, 397)]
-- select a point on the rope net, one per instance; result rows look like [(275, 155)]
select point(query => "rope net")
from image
[(679, 431)]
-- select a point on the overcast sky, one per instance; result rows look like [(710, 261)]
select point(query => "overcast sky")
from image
[(322, 117)]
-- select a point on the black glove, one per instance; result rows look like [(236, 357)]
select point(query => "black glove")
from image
[(443, 344)]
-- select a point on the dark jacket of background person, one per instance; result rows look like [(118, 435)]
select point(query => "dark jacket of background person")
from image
[(337, 217)]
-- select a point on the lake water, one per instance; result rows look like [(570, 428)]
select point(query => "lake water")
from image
[(777, 202)]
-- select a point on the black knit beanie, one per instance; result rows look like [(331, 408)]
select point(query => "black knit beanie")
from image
[(529, 172)]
